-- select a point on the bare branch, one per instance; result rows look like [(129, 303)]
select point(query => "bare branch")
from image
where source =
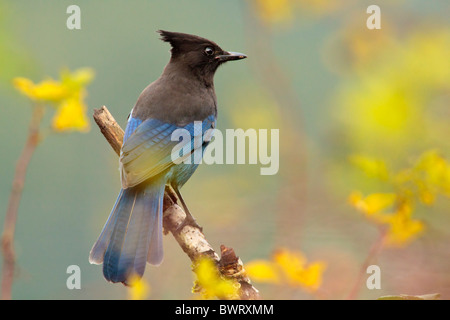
[(109, 128)]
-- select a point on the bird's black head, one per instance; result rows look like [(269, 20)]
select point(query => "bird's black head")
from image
[(201, 55)]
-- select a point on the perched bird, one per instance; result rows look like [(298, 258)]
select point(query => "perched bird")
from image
[(182, 95)]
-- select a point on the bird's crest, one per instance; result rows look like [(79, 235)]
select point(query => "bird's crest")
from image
[(184, 41)]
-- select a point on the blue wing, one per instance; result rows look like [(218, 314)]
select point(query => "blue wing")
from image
[(148, 147)]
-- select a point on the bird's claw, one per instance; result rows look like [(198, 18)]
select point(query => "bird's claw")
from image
[(189, 221)]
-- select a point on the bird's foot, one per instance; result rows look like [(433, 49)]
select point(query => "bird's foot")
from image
[(189, 221)]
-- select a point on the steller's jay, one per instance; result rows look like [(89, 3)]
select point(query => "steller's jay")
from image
[(184, 93)]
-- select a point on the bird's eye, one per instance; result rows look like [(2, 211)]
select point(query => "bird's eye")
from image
[(209, 51)]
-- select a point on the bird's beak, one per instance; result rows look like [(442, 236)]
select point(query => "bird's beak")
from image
[(228, 56)]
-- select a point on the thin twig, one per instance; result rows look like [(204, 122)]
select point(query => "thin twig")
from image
[(9, 227), (373, 253), (190, 238)]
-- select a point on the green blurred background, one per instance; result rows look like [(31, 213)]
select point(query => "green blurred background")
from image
[(314, 71)]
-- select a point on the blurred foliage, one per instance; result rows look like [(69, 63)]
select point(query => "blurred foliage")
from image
[(14, 58), (210, 284), (283, 12), (68, 97), (289, 268), (423, 182), (392, 97), (139, 289)]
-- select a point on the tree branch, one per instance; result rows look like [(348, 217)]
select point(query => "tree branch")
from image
[(191, 239), (7, 241)]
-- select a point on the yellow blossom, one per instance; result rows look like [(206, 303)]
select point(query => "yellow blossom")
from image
[(211, 284), (287, 267), (373, 203), (402, 229), (426, 196), (297, 271), (423, 181), (262, 271), (434, 172), (393, 98), (47, 90), (138, 288), (66, 95), (71, 115)]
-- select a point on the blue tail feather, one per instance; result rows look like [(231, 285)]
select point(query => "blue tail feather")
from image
[(98, 250), (154, 254), (133, 232)]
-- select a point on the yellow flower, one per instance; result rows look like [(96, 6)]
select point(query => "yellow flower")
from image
[(212, 284), (373, 203), (66, 95), (47, 90), (138, 288), (402, 229), (71, 115), (297, 271), (287, 267), (262, 271), (434, 172), (426, 196)]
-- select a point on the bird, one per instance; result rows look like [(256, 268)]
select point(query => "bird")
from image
[(180, 98)]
